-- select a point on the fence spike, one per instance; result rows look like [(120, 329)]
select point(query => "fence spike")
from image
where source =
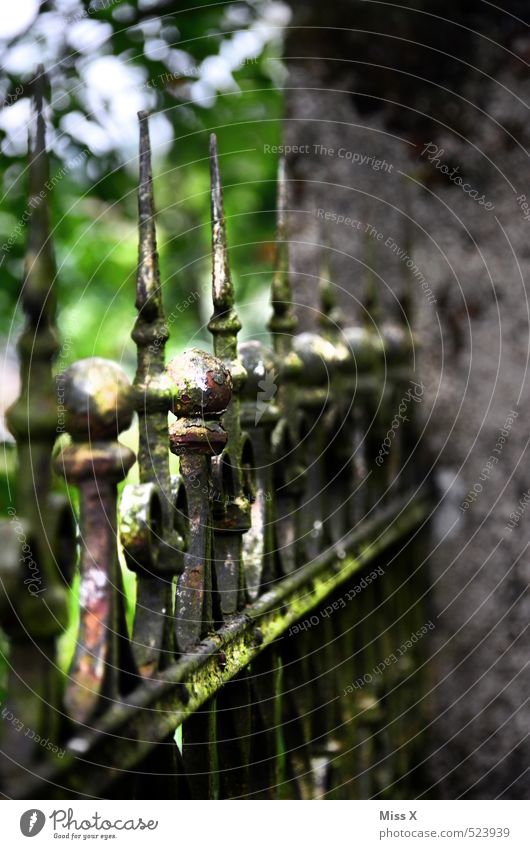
[(406, 299), (33, 417), (148, 295), (33, 602), (233, 513), (38, 296), (331, 318), (372, 300), (283, 322), (224, 323), (155, 557), (223, 290), (150, 330)]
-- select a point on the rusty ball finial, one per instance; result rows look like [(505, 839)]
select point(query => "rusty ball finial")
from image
[(202, 385), (319, 358), (97, 399), (201, 392), (261, 366)]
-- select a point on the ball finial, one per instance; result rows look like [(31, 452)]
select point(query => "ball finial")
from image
[(319, 358), (202, 385), (96, 398), (201, 392), (261, 367)]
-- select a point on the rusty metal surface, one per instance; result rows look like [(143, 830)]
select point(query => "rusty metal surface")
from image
[(278, 503), (153, 547), (99, 402)]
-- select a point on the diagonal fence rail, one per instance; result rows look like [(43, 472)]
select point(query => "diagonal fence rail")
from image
[(276, 646)]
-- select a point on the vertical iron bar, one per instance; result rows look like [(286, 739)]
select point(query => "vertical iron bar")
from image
[(33, 603)]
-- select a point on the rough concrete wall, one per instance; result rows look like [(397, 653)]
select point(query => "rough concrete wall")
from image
[(467, 93)]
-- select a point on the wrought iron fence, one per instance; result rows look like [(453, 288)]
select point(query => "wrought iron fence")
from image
[(278, 621)]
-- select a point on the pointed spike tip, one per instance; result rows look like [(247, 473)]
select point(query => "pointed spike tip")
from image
[(38, 131), (282, 198), (371, 297), (327, 293), (407, 289), (40, 266), (145, 194), (283, 321), (280, 285), (222, 289), (216, 189), (145, 199), (38, 156), (148, 279)]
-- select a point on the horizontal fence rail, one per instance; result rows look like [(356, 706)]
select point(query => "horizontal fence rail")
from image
[(276, 643)]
